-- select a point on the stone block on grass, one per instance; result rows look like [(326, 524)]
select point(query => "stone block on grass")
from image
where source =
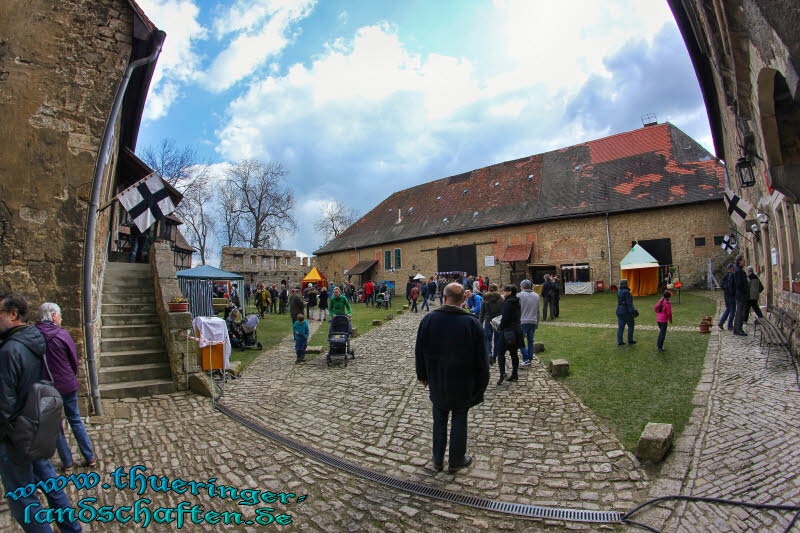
[(655, 442), (405, 307), (313, 349), (200, 384), (354, 334), (377, 322), (399, 311), (389, 317), (538, 347), (558, 368), (236, 368)]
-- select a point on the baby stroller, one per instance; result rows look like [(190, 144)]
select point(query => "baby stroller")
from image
[(339, 339), (381, 300), (249, 333)]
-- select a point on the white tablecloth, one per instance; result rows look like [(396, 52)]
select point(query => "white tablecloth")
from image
[(212, 328), (579, 287)]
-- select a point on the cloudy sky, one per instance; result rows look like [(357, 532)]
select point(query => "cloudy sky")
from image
[(360, 98)]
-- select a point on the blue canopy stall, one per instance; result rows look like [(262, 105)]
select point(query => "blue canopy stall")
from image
[(197, 286)]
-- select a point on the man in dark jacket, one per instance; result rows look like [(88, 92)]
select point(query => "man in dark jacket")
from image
[(296, 304), (729, 294), (742, 294), (273, 296), (21, 350), (547, 296), (409, 286), (284, 299), (62, 360), (452, 361)]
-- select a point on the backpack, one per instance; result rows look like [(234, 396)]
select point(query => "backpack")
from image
[(36, 428)]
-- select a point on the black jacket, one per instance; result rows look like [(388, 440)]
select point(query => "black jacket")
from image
[(740, 285), (727, 285), (451, 357), (547, 289), (296, 305), (323, 300), (21, 355), (492, 306), (512, 319)]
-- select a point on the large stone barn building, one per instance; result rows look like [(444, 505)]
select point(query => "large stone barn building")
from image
[(557, 212)]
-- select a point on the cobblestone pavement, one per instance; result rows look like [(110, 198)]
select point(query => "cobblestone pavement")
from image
[(742, 442)]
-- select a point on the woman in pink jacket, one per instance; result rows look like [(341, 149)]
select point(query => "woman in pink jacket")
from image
[(663, 311)]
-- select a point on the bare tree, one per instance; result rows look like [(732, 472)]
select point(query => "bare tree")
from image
[(195, 212), (229, 227), (334, 218), (265, 201), (178, 166)]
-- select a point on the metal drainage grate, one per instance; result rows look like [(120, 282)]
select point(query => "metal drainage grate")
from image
[(516, 509)]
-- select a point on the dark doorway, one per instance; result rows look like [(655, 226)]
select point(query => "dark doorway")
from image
[(538, 272), (458, 259), (661, 249)]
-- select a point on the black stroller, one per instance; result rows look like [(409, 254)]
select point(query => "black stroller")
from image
[(339, 335)]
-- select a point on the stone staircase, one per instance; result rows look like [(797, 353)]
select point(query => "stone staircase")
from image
[(133, 358)]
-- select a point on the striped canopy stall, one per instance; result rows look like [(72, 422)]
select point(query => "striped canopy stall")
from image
[(197, 286)]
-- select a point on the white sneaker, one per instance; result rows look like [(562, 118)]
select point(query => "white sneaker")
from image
[(526, 363)]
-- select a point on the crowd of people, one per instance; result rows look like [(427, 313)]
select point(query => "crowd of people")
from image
[(741, 289)]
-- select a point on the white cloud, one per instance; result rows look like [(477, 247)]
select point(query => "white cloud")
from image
[(262, 31), (178, 62)]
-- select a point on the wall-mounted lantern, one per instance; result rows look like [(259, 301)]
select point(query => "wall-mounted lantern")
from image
[(744, 167)]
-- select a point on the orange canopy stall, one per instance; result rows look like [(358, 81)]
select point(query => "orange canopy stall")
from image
[(641, 270), (315, 277)]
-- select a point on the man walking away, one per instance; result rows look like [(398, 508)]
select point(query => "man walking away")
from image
[(273, 296), (755, 289), (547, 289), (529, 302), (742, 294), (729, 294), (432, 289), (22, 350), (424, 292), (492, 307), (440, 285), (413, 295), (283, 297), (296, 305), (62, 360), (452, 361)]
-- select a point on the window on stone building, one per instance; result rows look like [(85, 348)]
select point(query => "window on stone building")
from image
[(275, 263), (398, 259), (264, 260), (387, 259), (252, 260), (286, 261), (238, 257), (718, 240), (699, 241)]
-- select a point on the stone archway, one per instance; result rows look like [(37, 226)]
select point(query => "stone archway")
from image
[(780, 125)]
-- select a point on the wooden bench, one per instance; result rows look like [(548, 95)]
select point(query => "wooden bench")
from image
[(776, 330)]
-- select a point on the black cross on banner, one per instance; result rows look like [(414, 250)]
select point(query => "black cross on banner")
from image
[(147, 202), (737, 207), (728, 243)]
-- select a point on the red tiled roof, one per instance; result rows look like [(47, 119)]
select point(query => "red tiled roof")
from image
[(517, 252), (655, 166)]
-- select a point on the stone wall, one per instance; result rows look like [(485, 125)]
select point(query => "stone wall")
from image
[(60, 63), (257, 265), (182, 354), (578, 240)]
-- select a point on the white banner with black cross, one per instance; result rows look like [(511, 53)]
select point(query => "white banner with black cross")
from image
[(146, 201), (729, 243), (737, 207)]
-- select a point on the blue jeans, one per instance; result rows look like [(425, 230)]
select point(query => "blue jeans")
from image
[(441, 294), (730, 311), (622, 321), (490, 333), (528, 331), (458, 435), (78, 429), (300, 346), (425, 303), (662, 334), (16, 474)]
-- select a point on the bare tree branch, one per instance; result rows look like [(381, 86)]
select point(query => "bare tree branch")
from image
[(172, 163), (334, 218), (265, 200), (196, 215), (229, 227)]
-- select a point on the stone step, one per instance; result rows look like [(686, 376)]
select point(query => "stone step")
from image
[(130, 284), (124, 344), (137, 389), (128, 309), (130, 319), (132, 357), (129, 373), (130, 330), (137, 297), (127, 274)]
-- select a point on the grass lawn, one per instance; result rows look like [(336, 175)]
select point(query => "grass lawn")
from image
[(600, 308), (271, 330), (628, 386)]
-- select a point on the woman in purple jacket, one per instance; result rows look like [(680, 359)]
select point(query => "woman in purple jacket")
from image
[(62, 360)]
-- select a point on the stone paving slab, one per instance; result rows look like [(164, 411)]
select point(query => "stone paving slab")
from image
[(532, 442), (742, 442)]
